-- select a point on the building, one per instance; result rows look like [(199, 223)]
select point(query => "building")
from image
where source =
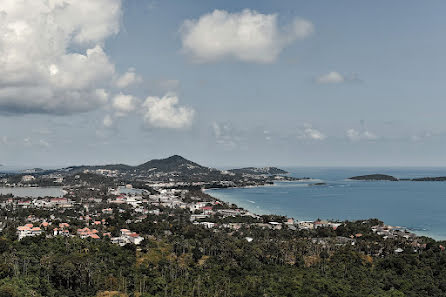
[(27, 178), (28, 230)]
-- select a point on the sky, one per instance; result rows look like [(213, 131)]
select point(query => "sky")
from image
[(223, 83)]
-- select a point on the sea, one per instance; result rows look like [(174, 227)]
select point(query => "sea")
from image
[(417, 206), (33, 192)]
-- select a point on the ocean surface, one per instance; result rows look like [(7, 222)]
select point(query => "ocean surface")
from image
[(33, 192), (417, 206)]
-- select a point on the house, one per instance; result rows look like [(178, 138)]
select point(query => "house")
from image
[(196, 206), (320, 223), (135, 238), (64, 225), (208, 225), (207, 210), (198, 217), (118, 200), (107, 211), (28, 230), (154, 212), (86, 233), (24, 203), (60, 202), (61, 232), (127, 236), (44, 224), (398, 251), (290, 221), (276, 225), (28, 178)]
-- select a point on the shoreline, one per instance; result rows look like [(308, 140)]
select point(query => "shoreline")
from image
[(419, 233)]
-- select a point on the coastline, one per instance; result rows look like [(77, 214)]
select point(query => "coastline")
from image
[(252, 207)]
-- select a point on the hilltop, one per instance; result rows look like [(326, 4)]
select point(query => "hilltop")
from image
[(173, 163), (179, 169)]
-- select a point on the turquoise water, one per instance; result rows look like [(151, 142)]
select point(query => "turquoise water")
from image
[(418, 206)]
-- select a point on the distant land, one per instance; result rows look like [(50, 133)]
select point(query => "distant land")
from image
[(259, 171), (174, 170), (177, 168), (439, 178), (384, 177), (375, 177)]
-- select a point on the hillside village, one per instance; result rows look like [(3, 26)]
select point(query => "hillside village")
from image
[(94, 197), (165, 216)]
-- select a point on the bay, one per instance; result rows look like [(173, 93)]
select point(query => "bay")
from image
[(33, 192), (418, 206)]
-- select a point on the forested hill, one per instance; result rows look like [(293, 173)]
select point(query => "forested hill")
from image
[(173, 163), (258, 171), (178, 169)]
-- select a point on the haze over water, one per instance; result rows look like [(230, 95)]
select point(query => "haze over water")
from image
[(418, 206)]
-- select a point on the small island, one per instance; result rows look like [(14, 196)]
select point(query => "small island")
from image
[(374, 177), (318, 184)]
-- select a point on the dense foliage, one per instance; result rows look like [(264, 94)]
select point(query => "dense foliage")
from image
[(193, 261)]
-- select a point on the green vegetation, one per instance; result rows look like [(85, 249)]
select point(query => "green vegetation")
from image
[(194, 261)]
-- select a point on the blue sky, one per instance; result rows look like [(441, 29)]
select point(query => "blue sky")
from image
[(323, 83)]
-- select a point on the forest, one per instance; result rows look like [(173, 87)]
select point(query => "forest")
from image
[(182, 259)]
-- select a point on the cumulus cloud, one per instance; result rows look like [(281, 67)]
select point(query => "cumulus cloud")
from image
[(164, 112), (247, 36), (355, 135), (308, 132), (39, 69), (123, 104), (330, 78), (127, 79)]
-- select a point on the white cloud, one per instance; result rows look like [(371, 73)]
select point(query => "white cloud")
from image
[(308, 132), (164, 112), (127, 79), (355, 135), (330, 78), (123, 104), (39, 70), (246, 36)]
